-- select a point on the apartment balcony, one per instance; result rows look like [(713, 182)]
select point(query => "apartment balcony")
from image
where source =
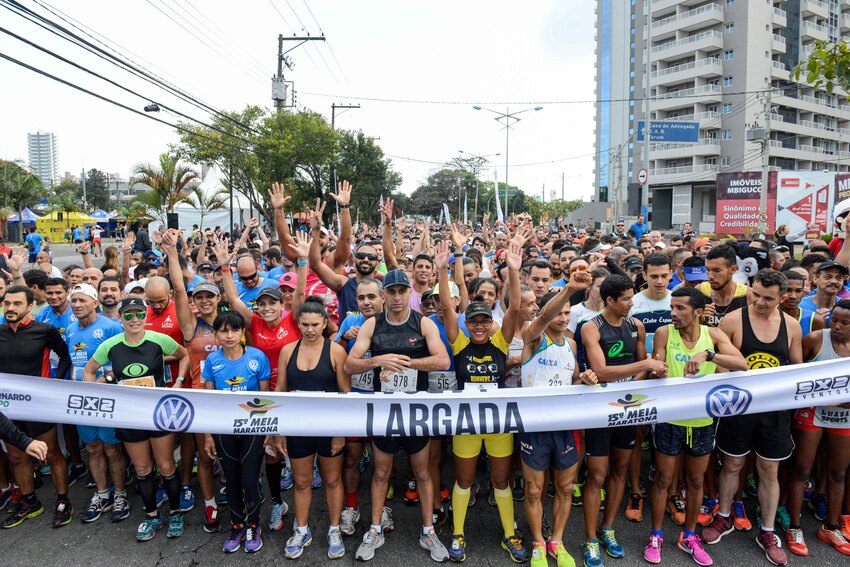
[(664, 5), (780, 70), (779, 44), (703, 94), (698, 18), (808, 103), (780, 17), (706, 41), (689, 173), (710, 67), (806, 51), (705, 147), (844, 22), (810, 30), (814, 8), (808, 128), (704, 118)]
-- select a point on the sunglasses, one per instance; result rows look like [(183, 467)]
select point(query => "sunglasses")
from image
[(366, 256), (580, 268), (128, 316), (249, 278), (479, 322)]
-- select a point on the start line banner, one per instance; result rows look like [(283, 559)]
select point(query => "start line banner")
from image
[(430, 414)]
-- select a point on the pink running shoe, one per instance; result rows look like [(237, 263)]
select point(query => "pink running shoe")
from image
[(652, 553), (692, 545)]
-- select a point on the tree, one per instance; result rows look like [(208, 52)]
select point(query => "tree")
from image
[(65, 201), (19, 187), (445, 186), (827, 66), (168, 184), (97, 190), (206, 204), (553, 209), (361, 161)]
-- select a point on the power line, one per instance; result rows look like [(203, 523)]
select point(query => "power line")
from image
[(327, 41), (306, 52)]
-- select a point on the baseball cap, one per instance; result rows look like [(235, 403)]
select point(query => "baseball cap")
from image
[(272, 292), (85, 289), (205, 267), (288, 280), (478, 308), (695, 273), (633, 262), (207, 287), (396, 277), (324, 231), (132, 303), (700, 243), (453, 290), (660, 245), (599, 248), (135, 285), (834, 266)]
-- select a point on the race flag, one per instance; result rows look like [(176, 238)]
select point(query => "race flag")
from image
[(465, 200), (446, 211), (498, 203), (440, 222)]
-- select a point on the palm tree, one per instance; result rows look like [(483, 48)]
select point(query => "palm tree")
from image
[(167, 182), (66, 203), (19, 188), (206, 204)]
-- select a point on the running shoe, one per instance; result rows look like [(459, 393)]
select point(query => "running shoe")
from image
[(296, 544), (557, 551), (692, 545), (336, 548), (772, 547), (491, 494), (317, 478), (15, 502), (592, 556), (707, 511), (602, 498), (676, 509), (63, 514), (578, 501), (286, 479), (372, 540), (718, 528), (348, 521), (176, 526), (387, 524), (23, 512), (818, 505), (90, 483), (221, 497), (211, 523), (365, 459), (473, 494), (739, 513), (97, 507), (411, 495), (783, 515), (538, 556), (44, 469), (148, 528), (253, 538), (457, 550), (161, 496), (390, 491), (795, 542), (516, 550), (652, 552), (808, 491), (75, 473), (834, 538), (445, 493), (187, 499), (608, 539), (439, 519), (6, 496), (431, 543), (634, 508), (277, 514), (518, 488), (844, 522), (751, 485), (550, 489), (120, 508), (234, 542)]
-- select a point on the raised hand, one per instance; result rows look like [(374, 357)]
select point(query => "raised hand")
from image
[(387, 211), (458, 239), (580, 281), (222, 254), (169, 240), (441, 255), (513, 257), (253, 223), (17, 259), (302, 244), (523, 234), (486, 219), (343, 193), (316, 214), (278, 196), (402, 223)]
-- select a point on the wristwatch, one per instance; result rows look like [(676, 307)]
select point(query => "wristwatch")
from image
[(709, 355)]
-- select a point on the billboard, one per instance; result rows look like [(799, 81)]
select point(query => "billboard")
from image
[(803, 198), (842, 187), (738, 196)]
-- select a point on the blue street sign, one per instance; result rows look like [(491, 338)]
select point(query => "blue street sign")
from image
[(662, 131), (43, 201)]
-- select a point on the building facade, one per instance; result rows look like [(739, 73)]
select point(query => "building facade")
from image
[(726, 65), (43, 150)]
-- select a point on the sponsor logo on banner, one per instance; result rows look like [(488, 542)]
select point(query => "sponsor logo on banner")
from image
[(822, 388), (7, 398), (257, 422), (727, 400), (633, 412), (427, 420), (173, 413), (91, 406)]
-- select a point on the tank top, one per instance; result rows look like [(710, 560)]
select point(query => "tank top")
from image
[(806, 319), (551, 366), (321, 378), (678, 355), (400, 338), (764, 355), (619, 344), (831, 417), (200, 346)]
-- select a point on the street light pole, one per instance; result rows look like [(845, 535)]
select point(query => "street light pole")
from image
[(477, 161)]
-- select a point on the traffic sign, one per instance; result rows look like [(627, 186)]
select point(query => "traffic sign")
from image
[(763, 217), (643, 176)]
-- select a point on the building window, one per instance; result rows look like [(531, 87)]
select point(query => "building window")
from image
[(724, 161), (729, 28), (730, 2), (728, 81), (727, 108), (727, 134), (729, 54)]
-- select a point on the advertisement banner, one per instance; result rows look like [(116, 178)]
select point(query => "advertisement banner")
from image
[(804, 197), (842, 187), (818, 384), (738, 196)]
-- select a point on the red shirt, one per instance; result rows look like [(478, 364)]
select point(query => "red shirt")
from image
[(835, 245), (271, 340), (166, 323), (329, 298)]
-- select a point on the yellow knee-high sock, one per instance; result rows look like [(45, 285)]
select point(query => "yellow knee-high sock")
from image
[(460, 502), (505, 504)]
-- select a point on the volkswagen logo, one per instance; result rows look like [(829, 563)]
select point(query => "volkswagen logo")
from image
[(173, 413), (726, 401)]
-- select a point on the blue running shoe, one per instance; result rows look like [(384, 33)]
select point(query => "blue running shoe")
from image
[(234, 542), (176, 527), (515, 548), (592, 555), (253, 538), (818, 504), (221, 497), (97, 506), (317, 478), (296, 544), (147, 529), (609, 541), (457, 550), (286, 479), (365, 459), (187, 499), (336, 549)]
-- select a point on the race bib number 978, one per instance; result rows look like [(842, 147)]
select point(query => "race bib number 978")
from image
[(401, 381)]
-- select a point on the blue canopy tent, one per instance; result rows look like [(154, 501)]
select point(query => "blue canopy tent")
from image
[(15, 224), (105, 220)]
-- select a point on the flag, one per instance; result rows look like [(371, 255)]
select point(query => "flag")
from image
[(446, 211), (439, 222), (498, 203), (465, 200)]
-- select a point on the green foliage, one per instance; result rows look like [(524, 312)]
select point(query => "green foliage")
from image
[(97, 190), (828, 66), (167, 183), (19, 188), (554, 208)]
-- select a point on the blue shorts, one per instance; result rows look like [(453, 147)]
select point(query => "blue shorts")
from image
[(33, 258), (672, 439), (91, 433), (549, 449)]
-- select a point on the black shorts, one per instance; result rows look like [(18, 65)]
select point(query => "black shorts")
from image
[(598, 442), (301, 447), (393, 445), (33, 428), (672, 439), (768, 434), (550, 449), (138, 435)]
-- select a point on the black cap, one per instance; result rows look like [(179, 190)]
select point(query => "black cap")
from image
[(833, 266), (396, 277), (633, 262), (478, 308), (132, 303), (205, 266), (272, 292)]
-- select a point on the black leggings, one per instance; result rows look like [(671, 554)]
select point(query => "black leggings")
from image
[(241, 457)]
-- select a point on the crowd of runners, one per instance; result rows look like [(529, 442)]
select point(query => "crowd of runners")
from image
[(411, 306)]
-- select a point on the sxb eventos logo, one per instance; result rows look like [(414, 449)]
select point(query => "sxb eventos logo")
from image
[(727, 400), (173, 413)]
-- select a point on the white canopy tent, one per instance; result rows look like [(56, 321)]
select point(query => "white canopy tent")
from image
[(188, 215)]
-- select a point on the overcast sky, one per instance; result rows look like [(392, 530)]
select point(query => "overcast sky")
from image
[(471, 52)]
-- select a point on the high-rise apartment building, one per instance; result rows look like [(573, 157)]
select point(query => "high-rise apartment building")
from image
[(44, 156), (726, 65)]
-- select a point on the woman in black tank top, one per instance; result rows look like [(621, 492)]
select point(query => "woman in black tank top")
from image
[(313, 364)]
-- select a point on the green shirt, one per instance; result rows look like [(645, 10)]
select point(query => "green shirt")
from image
[(145, 358)]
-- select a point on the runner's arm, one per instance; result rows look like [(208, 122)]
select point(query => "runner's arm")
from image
[(57, 344), (283, 361), (509, 321), (727, 356), (330, 278), (596, 358), (232, 296), (354, 362), (795, 346), (439, 359), (343, 243), (659, 343), (10, 433), (185, 319), (390, 258), (338, 356), (811, 345), (441, 259), (89, 372), (579, 281)]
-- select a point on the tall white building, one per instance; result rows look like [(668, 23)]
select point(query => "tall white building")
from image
[(726, 65), (43, 152)]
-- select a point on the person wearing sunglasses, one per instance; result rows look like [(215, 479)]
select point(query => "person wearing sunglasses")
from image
[(249, 282), (137, 357)]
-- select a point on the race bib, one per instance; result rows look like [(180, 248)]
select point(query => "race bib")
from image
[(441, 381), (832, 417), (401, 381), (144, 381), (480, 387), (363, 381)]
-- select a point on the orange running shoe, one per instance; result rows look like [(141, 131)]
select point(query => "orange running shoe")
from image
[(676, 509), (741, 522), (709, 508), (634, 508), (834, 538), (795, 543), (844, 522)]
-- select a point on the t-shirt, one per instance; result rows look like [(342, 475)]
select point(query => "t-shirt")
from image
[(739, 299), (415, 302), (276, 273), (678, 355), (199, 347), (137, 360), (353, 320), (83, 342), (193, 282), (558, 283), (480, 363), (270, 340), (653, 313), (579, 314), (461, 325), (96, 231), (61, 322), (674, 282), (317, 288), (248, 295), (35, 240), (167, 324), (241, 375), (78, 234)]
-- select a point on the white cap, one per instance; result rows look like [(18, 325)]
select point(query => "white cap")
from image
[(660, 245), (85, 289), (136, 284)]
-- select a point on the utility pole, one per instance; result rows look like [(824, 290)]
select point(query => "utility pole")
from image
[(280, 86), (762, 135), (563, 195), (647, 128), (83, 179)]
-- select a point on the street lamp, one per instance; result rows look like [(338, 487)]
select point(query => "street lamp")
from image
[(509, 119), (477, 161)]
